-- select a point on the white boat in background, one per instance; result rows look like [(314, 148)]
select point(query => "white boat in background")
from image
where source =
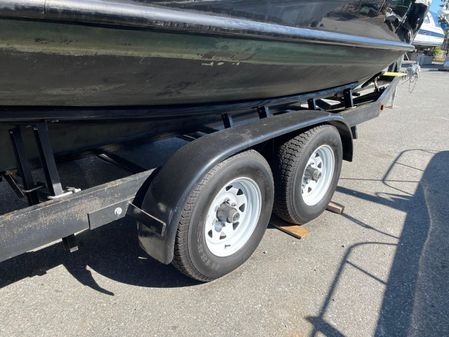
[(444, 12), (431, 34)]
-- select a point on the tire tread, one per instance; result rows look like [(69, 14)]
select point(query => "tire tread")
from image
[(287, 157)]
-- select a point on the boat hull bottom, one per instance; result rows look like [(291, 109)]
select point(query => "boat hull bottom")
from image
[(54, 64), (118, 81)]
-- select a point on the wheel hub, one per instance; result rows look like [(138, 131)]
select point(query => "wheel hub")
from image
[(227, 214), (318, 175), (313, 173), (232, 217)]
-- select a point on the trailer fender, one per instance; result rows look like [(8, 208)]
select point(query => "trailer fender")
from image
[(159, 212)]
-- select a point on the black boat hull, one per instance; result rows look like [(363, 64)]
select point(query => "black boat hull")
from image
[(103, 53)]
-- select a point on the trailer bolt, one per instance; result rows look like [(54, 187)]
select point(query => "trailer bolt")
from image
[(118, 211)]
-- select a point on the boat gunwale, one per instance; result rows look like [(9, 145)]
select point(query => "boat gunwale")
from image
[(132, 15)]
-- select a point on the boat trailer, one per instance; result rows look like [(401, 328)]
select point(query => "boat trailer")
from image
[(58, 212)]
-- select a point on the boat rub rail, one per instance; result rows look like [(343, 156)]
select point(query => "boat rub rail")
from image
[(151, 17)]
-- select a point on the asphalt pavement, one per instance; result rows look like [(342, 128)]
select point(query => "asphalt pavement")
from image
[(381, 269)]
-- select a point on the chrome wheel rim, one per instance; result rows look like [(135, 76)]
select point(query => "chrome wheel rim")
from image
[(318, 174), (233, 216)]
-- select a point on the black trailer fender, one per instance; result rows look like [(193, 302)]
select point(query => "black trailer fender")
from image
[(159, 212)]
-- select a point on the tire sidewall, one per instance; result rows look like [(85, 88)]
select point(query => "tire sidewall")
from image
[(202, 258)]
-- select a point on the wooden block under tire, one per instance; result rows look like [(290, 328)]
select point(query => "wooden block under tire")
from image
[(296, 231), (335, 208)]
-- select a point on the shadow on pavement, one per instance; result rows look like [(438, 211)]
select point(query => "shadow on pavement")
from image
[(111, 251), (415, 300)]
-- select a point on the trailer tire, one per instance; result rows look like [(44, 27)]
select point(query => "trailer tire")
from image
[(296, 172), (225, 217)]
